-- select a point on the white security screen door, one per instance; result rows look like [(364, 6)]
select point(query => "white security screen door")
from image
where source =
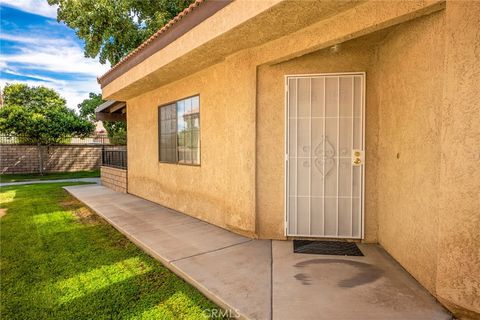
[(325, 155)]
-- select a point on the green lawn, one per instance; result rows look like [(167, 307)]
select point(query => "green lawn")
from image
[(61, 261), (49, 176)]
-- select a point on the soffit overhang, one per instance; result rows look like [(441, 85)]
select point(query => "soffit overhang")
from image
[(240, 25)]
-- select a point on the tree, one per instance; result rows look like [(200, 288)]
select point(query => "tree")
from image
[(116, 130), (39, 115), (111, 29), (87, 107)]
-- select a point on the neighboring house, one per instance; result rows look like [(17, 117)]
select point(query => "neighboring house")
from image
[(320, 119)]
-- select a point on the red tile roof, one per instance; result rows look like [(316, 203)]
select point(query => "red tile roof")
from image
[(147, 42)]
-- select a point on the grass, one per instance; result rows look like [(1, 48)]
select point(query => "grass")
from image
[(61, 261), (4, 178)]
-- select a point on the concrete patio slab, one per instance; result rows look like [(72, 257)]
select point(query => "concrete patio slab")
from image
[(229, 269), (171, 234), (240, 275), (307, 286), (263, 279), (181, 241)]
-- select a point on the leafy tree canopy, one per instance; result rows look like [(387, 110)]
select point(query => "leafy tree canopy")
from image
[(116, 130), (31, 97), (39, 115), (88, 106), (111, 29)]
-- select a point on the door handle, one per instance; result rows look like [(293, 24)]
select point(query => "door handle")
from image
[(357, 157)]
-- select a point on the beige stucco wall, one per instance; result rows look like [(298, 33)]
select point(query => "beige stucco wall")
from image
[(422, 142), (222, 189), (247, 24), (409, 87), (458, 251), (404, 66)]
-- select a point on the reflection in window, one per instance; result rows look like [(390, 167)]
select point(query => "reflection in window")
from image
[(188, 124), (180, 131)]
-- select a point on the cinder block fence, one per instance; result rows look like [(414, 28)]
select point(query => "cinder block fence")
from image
[(18, 158), (114, 178), (113, 172)]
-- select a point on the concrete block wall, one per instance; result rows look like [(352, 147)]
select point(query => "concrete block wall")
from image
[(114, 178), (18, 159), (73, 158), (61, 158)]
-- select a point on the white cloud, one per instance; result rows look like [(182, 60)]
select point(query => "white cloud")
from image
[(38, 7), (55, 55), (36, 77), (31, 40), (48, 62)]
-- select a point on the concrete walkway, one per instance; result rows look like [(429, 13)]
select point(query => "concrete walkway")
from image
[(263, 279), (91, 180)]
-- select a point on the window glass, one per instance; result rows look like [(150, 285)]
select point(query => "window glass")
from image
[(188, 131), (168, 130), (179, 125)]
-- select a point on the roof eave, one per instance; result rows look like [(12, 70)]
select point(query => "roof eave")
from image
[(177, 27)]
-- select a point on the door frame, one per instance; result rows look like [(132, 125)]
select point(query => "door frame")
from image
[(285, 144)]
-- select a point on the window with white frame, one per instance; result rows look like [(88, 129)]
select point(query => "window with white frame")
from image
[(179, 131)]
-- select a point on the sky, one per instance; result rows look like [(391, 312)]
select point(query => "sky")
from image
[(37, 50)]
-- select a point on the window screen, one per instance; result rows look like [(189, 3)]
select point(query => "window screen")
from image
[(179, 125)]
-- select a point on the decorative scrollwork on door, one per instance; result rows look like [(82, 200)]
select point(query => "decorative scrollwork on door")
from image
[(324, 158)]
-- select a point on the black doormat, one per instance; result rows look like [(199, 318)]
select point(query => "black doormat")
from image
[(335, 248)]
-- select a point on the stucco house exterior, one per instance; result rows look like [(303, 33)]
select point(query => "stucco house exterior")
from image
[(353, 120)]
